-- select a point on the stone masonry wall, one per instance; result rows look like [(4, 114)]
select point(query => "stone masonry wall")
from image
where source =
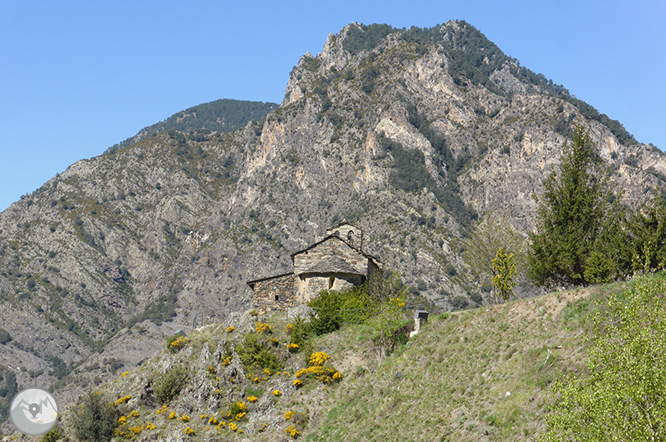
[(356, 237), (374, 278), (274, 295), (308, 287)]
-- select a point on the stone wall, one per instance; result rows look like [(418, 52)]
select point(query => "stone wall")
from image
[(274, 294), (374, 282), (309, 286), (352, 234)]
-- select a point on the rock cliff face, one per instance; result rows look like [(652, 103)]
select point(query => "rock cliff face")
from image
[(410, 136)]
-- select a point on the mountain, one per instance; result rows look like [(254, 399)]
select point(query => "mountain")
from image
[(217, 116), (412, 135)]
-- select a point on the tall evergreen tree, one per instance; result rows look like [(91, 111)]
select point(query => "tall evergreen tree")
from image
[(571, 215), (647, 228)]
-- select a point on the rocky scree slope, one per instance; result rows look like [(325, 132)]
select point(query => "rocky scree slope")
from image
[(409, 134)]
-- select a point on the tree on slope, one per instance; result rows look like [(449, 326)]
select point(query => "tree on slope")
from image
[(491, 233), (571, 215), (647, 228)]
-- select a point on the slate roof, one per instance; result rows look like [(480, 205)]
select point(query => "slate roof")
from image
[(252, 283), (332, 264), (326, 238)]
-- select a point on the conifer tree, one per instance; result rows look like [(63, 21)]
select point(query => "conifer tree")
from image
[(647, 228), (571, 215)]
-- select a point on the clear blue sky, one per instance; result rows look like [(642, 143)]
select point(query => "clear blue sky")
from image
[(79, 76)]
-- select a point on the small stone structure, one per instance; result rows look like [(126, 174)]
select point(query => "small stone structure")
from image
[(420, 318), (334, 263)]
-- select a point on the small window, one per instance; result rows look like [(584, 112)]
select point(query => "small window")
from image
[(350, 236), (277, 297), (331, 281)]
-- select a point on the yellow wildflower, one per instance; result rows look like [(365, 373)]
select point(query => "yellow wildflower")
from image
[(318, 358)]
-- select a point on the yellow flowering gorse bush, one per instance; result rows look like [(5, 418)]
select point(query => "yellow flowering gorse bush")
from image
[(291, 431), (318, 359), (262, 327), (123, 399), (178, 343)]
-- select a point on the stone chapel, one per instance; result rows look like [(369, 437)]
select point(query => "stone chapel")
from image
[(335, 262)]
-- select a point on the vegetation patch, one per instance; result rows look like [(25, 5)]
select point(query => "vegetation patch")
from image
[(169, 385)]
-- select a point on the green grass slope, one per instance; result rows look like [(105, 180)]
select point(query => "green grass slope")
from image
[(476, 375)]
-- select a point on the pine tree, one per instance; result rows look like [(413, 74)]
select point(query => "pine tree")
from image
[(571, 215), (647, 228)]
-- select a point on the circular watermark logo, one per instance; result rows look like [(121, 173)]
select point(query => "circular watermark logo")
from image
[(34, 411)]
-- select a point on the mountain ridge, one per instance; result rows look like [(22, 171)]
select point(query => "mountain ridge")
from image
[(223, 115)]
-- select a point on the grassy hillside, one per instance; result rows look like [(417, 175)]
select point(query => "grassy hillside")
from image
[(473, 375)]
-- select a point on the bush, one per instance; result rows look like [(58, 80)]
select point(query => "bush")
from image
[(53, 435), (4, 336), (256, 353), (598, 269), (459, 302), (95, 418), (327, 317), (176, 342), (169, 386), (299, 331), (333, 307)]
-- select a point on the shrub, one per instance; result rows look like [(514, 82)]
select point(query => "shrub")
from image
[(169, 386), (255, 353), (327, 317), (4, 336), (94, 418), (53, 435), (334, 307), (176, 342), (598, 269), (319, 369), (299, 331), (459, 302)]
